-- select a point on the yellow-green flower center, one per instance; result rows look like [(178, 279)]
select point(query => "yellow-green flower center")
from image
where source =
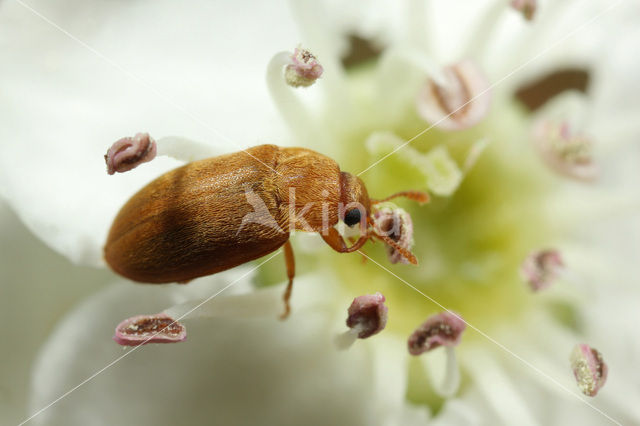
[(470, 244)]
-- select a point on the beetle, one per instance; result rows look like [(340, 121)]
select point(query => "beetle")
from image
[(214, 214)]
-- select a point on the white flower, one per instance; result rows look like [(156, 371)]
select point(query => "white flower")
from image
[(198, 72)]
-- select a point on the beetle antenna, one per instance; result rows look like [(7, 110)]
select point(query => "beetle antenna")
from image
[(419, 196), (404, 252)]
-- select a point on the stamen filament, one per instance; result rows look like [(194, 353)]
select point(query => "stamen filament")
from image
[(416, 26), (413, 58), (451, 380), (289, 105), (485, 30), (474, 154), (346, 339), (184, 149)]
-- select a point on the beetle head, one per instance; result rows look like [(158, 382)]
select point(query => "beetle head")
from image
[(354, 199)]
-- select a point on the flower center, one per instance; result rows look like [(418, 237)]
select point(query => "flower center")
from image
[(470, 244)]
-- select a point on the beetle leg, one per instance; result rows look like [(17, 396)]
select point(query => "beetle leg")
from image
[(336, 242), (352, 240), (291, 272)]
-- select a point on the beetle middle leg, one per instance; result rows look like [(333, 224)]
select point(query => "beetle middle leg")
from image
[(352, 240), (291, 272)]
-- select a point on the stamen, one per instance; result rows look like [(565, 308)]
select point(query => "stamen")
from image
[(128, 153), (161, 328), (286, 71), (588, 368), (143, 329), (526, 7), (567, 154), (367, 317), (541, 268), (463, 101), (444, 329), (303, 70), (394, 226)]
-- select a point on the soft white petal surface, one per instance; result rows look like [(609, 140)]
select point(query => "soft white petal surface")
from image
[(37, 286), (195, 70), (228, 371)]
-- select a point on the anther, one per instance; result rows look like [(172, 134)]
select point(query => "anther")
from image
[(367, 316), (588, 368), (458, 102), (526, 7), (303, 70), (128, 153), (143, 329), (541, 268), (444, 329), (564, 152), (394, 223)]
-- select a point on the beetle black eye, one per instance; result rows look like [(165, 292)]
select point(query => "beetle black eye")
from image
[(352, 217)]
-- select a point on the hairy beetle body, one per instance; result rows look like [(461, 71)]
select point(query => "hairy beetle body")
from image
[(215, 214), (189, 222)]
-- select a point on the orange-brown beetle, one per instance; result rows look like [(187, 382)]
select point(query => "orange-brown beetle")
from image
[(215, 214)]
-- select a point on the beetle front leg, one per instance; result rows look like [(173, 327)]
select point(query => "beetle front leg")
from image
[(336, 242), (364, 256), (291, 272)]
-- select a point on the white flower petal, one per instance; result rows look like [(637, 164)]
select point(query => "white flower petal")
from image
[(547, 347), (497, 387), (224, 366), (36, 287), (160, 67), (562, 35), (389, 363)]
